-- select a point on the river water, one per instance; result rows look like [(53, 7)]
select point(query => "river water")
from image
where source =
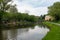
[(36, 33)]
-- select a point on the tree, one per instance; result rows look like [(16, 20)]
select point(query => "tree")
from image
[(54, 10), (13, 9), (3, 8), (4, 5)]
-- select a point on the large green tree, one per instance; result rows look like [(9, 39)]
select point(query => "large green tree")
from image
[(4, 6), (13, 9), (54, 10)]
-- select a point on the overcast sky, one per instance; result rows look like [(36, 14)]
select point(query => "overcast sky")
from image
[(34, 7)]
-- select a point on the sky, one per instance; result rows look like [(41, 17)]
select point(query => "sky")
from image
[(34, 7)]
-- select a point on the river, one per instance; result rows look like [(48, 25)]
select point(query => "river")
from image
[(35, 33)]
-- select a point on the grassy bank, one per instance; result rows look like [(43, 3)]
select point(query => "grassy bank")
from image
[(54, 33), (59, 22)]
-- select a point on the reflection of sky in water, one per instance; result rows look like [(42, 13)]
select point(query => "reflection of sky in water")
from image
[(27, 33), (34, 34)]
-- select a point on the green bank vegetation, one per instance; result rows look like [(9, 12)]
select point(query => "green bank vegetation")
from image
[(9, 15), (54, 33)]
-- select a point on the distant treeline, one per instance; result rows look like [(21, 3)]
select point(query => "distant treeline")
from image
[(19, 17), (9, 14)]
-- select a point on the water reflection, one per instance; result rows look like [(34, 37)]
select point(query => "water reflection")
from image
[(1, 38), (36, 33), (10, 34)]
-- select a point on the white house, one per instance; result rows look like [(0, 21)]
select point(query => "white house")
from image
[(49, 18)]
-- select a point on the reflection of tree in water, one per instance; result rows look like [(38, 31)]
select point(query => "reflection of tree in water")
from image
[(13, 34), (10, 34), (1, 38), (22, 30), (5, 35)]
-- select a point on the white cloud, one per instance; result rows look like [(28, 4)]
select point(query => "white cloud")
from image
[(35, 7), (32, 11), (39, 11)]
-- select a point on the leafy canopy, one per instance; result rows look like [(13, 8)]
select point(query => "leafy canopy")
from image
[(54, 10)]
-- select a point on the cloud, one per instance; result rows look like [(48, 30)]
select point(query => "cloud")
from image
[(34, 7), (38, 11), (38, 3)]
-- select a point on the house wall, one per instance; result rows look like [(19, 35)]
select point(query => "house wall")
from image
[(47, 18)]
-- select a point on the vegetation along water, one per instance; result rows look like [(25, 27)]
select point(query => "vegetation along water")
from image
[(15, 25)]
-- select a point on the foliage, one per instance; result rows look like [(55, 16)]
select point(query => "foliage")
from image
[(4, 5), (9, 13), (42, 17), (13, 9), (54, 10), (19, 17)]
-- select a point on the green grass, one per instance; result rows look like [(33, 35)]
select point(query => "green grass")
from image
[(59, 22), (54, 33)]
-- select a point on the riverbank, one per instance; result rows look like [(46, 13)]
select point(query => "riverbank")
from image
[(14, 25), (54, 33)]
